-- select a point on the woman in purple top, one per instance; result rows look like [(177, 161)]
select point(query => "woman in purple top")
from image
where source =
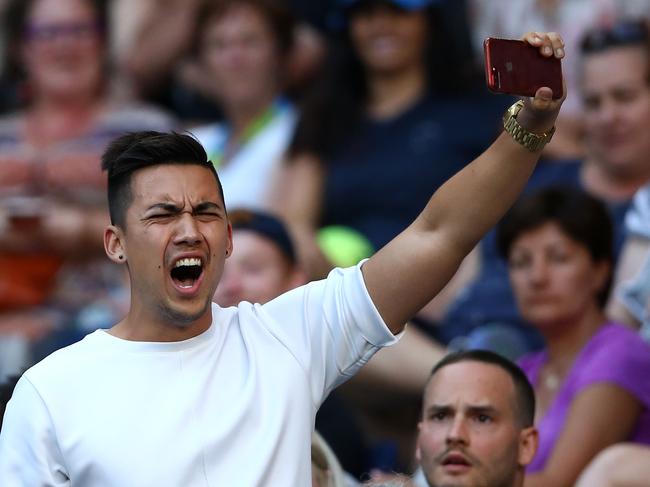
[(592, 382)]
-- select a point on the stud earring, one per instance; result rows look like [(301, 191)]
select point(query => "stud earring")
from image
[(120, 257)]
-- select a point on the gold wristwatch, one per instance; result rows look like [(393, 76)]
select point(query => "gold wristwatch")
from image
[(531, 141)]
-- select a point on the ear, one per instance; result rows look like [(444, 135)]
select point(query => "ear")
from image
[(229, 246), (603, 270), (114, 244), (418, 453), (528, 442)]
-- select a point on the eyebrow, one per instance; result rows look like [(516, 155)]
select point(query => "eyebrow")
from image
[(473, 409), (479, 409), (207, 205), (175, 209)]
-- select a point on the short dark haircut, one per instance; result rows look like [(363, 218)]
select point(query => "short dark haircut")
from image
[(137, 150), (579, 215), (627, 32), (524, 393), (624, 33)]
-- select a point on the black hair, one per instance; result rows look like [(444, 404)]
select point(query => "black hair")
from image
[(624, 33), (334, 108), (524, 393), (137, 150), (579, 215), (266, 225), (628, 32)]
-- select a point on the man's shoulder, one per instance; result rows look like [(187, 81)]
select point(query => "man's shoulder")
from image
[(58, 367)]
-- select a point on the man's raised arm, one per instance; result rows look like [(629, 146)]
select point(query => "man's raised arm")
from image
[(411, 269)]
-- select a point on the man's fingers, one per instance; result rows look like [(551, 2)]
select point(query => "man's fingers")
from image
[(549, 43), (543, 99), (557, 44), (532, 38)]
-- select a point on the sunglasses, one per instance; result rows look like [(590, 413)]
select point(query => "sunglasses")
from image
[(624, 33), (70, 30)]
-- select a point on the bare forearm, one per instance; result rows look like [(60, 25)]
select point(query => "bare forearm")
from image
[(622, 465)]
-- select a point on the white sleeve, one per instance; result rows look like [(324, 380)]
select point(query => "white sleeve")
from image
[(29, 453), (637, 219), (331, 326)]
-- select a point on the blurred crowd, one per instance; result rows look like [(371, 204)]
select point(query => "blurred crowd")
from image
[(330, 123)]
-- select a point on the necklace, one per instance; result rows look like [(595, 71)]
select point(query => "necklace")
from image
[(552, 375), (551, 381)]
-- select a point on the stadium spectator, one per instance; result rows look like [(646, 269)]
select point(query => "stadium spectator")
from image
[(558, 245), (51, 186)]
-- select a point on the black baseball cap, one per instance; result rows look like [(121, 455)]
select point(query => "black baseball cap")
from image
[(266, 225)]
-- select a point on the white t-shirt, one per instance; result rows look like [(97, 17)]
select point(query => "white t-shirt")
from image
[(234, 406)]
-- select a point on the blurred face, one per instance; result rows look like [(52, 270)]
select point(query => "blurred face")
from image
[(63, 49), (175, 242), (240, 54), (387, 39), (257, 271), (469, 435), (554, 278), (616, 99)]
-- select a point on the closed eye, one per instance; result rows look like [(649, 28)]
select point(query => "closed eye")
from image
[(207, 215)]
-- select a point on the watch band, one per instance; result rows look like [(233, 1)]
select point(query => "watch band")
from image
[(531, 141)]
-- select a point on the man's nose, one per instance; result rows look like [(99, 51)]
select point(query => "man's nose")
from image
[(457, 433), (187, 230), (608, 112)]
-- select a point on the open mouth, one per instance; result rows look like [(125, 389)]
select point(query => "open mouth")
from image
[(455, 463), (187, 272)]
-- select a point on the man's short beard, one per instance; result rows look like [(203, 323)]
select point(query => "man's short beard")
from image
[(180, 319)]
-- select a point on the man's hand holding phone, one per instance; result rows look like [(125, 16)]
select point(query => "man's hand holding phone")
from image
[(540, 112), (531, 73)]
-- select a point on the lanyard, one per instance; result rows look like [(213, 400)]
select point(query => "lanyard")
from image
[(226, 150)]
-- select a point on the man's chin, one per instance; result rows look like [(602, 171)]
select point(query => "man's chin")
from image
[(445, 480), (184, 317)]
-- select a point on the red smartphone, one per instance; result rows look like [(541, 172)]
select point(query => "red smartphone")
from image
[(517, 68)]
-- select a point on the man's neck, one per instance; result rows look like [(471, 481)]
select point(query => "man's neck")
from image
[(141, 327), (611, 186), (565, 340)]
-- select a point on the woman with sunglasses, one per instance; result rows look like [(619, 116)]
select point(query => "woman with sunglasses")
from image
[(52, 188), (389, 121)]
